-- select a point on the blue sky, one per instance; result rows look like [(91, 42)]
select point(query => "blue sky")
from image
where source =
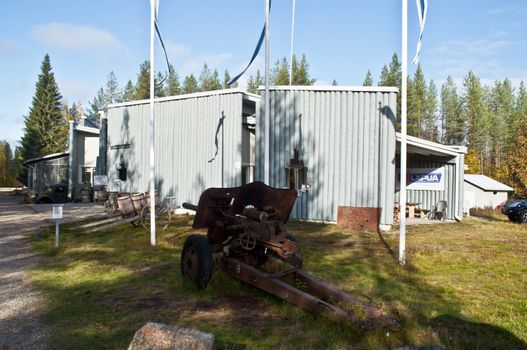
[(86, 39)]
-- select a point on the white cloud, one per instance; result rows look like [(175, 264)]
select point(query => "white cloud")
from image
[(483, 56), (176, 51), (506, 10), (81, 38), (8, 49), (194, 63), (73, 91)]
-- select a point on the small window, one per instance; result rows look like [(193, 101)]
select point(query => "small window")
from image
[(296, 173), (86, 175), (122, 171)]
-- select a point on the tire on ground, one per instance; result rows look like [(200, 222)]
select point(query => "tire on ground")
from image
[(522, 218), (196, 260)]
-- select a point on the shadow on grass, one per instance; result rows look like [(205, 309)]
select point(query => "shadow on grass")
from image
[(104, 287)]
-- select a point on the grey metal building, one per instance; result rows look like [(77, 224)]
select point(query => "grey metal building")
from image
[(46, 171), (435, 172), (337, 146), (83, 150), (201, 140)]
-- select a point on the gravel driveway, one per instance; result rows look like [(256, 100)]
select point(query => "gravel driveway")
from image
[(21, 306)]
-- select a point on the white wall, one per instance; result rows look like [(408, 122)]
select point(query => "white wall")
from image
[(475, 197)]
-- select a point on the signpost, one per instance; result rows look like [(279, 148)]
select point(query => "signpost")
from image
[(57, 215)]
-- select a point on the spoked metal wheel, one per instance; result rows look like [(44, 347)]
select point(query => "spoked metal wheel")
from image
[(196, 260), (162, 218)]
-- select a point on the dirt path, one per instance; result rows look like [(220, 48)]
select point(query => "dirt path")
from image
[(20, 304)]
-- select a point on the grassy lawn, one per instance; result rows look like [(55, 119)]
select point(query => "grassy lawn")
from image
[(464, 286)]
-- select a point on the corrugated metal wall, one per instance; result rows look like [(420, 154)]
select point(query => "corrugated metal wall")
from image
[(185, 134), (346, 140), (49, 172), (428, 198)]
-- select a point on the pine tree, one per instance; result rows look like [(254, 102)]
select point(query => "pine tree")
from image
[(173, 87), (254, 82), (430, 131), (3, 166), (301, 74), (334, 83), (190, 84), (476, 113), (7, 165), (368, 80), (417, 91), (280, 74), (208, 80), (391, 76), (159, 85), (453, 123), (215, 83), (105, 96), (112, 94), (44, 125), (98, 103), (518, 164), (128, 92), (226, 79), (501, 122), (142, 87)]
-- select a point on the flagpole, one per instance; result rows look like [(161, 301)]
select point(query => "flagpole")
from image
[(152, 134), (402, 186), (267, 97), (292, 41)]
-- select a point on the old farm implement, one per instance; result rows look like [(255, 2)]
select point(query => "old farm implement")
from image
[(246, 228)]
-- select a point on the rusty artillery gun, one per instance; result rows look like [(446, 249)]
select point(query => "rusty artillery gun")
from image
[(246, 228)]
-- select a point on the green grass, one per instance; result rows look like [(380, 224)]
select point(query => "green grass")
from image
[(464, 286)]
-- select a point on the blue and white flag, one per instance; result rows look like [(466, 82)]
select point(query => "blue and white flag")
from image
[(422, 8), (255, 53), (156, 11)]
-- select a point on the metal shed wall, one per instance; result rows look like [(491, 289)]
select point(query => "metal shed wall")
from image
[(48, 172), (347, 141), (185, 148), (428, 198)]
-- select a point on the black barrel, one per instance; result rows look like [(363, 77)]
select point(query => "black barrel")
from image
[(189, 206)]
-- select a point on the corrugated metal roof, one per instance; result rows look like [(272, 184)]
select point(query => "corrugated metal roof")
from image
[(247, 95), (320, 88), (47, 157), (486, 183), (426, 147)]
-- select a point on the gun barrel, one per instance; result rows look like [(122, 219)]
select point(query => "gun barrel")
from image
[(189, 206)]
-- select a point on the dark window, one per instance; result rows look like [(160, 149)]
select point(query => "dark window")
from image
[(122, 171)]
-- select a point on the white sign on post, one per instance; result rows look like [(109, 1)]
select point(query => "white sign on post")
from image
[(100, 180), (57, 211), (57, 214)]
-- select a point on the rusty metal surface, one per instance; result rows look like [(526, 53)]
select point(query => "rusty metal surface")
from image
[(247, 225), (233, 200), (358, 218)]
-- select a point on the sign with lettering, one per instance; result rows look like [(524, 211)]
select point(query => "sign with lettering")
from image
[(423, 179), (57, 211), (100, 180)]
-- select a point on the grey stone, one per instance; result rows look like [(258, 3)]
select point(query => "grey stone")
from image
[(157, 336)]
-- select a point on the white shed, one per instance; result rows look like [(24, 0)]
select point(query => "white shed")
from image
[(482, 192)]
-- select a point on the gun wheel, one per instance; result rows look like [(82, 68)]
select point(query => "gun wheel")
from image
[(196, 260)]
